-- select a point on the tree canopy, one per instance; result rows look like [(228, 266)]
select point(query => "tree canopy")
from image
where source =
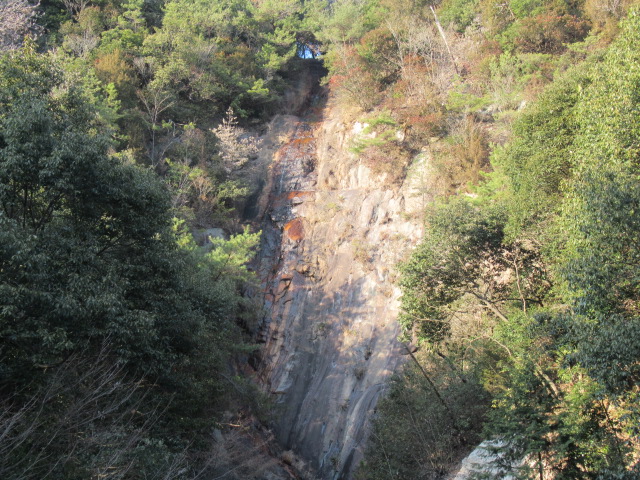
[(527, 288), (92, 273)]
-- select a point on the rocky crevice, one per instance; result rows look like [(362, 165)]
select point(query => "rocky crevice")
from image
[(332, 235)]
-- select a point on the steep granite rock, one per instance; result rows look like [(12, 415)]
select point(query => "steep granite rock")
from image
[(332, 235), (481, 462)]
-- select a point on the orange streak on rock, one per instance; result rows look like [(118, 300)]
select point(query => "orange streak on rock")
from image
[(294, 194), (295, 229), (301, 141)]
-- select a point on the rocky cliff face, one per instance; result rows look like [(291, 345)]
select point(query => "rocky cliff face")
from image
[(332, 235)]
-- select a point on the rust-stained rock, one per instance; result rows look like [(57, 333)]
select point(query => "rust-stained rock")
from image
[(295, 229), (292, 195)]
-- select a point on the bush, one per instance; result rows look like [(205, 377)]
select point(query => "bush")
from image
[(495, 16), (377, 51), (381, 147), (526, 8), (548, 33), (353, 82), (113, 68), (511, 74), (460, 162), (458, 13)]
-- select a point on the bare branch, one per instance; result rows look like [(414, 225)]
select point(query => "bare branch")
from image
[(86, 405)]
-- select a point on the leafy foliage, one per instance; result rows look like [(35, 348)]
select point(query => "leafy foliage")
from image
[(91, 272), (538, 273), (538, 160), (460, 13), (548, 33), (523, 295), (453, 260)]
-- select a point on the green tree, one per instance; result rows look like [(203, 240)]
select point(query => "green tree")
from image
[(538, 160), (224, 54), (460, 255), (569, 397), (600, 215), (89, 261), (600, 212)]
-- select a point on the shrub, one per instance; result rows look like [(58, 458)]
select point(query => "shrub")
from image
[(460, 162), (548, 33), (114, 68), (510, 74), (381, 146), (379, 56), (376, 133), (353, 82), (496, 16), (458, 13), (526, 8)]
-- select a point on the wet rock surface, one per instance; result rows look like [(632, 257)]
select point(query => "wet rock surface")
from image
[(332, 235)]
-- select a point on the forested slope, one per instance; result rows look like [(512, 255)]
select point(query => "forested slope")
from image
[(126, 126), (521, 297), (119, 138)]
